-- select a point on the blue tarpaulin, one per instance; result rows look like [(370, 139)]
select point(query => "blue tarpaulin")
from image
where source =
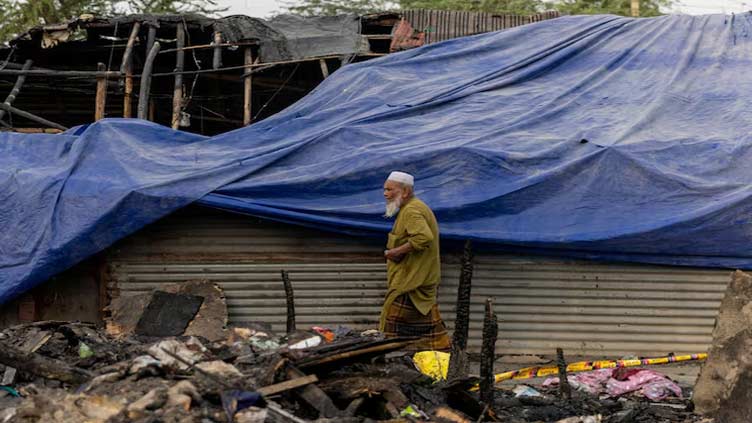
[(599, 137)]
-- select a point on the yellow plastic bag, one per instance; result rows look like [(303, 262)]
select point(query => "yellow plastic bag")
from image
[(434, 364)]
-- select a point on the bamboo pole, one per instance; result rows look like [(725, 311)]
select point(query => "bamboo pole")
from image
[(217, 59), (248, 90), (16, 87), (31, 116), (101, 98), (635, 8), (126, 68), (143, 94), (177, 95), (324, 68), (205, 46)]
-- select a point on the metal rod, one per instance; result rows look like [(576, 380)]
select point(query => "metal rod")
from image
[(177, 95), (101, 97), (126, 68), (217, 59), (17, 87), (248, 90), (31, 116), (488, 354), (289, 297), (143, 94)]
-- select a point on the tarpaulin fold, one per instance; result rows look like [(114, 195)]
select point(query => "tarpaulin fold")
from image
[(588, 136)]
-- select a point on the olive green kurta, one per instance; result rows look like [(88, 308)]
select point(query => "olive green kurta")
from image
[(419, 272)]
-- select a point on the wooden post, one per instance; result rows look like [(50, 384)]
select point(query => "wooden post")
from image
[(290, 299), (126, 68), (248, 89), (151, 38), (564, 390), (101, 99), (217, 59), (488, 355), (636, 8), (177, 95), (143, 94), (324, 68), (458, 364), (17, 87)]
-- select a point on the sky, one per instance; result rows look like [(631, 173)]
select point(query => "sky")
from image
[(265, 8)]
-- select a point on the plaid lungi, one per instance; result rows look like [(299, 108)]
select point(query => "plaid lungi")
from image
[(403, 319)]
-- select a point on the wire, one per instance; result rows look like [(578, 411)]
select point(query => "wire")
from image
[(276, 92)]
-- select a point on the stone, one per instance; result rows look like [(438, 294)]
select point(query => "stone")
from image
[(724, 386)]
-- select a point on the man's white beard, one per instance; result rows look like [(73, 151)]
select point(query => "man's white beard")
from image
[(392, 207)]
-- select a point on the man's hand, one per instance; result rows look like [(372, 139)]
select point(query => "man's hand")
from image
[(394, 255)]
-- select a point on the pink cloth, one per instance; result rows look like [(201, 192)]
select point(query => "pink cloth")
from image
[(653, 385)]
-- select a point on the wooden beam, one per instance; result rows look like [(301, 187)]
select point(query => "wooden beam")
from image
[(177, 94), (143, 94), (16, 88), (217, 59), (101, 98), (126, 68), (248, 89)]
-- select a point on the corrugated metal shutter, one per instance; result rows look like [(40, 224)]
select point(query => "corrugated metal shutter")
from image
[(586, 308)]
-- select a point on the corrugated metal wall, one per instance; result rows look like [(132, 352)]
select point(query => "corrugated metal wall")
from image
[(586, 308), (440, 25)]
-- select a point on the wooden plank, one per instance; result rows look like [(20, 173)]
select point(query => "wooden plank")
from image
[(314, 396), (101, 97), (287, 385)]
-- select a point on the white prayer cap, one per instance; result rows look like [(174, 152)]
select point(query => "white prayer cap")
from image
[(401, 177)]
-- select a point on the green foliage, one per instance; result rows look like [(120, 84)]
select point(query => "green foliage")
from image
[(616, 7), (335, 7), (17, 16), (512, 7)]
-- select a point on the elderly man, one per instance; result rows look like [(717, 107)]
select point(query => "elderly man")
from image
[(413, 268)]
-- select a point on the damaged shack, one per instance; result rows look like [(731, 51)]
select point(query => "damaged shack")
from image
[(206, 76)]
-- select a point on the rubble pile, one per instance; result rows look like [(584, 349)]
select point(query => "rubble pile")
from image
[(255, 376), (77, 372)]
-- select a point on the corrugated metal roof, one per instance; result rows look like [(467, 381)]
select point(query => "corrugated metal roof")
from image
[(586, 308)]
